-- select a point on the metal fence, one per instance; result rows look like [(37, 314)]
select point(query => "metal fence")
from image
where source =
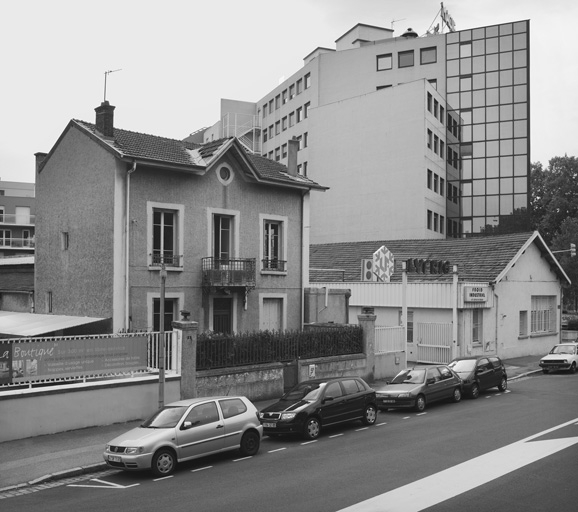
[(37, 362), (389, 339), (434, 342), (222, 351)]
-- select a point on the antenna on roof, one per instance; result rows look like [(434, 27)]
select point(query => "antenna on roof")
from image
[(106, 73), (395, 21)]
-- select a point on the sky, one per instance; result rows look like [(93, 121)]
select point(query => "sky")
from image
[(178, 58)]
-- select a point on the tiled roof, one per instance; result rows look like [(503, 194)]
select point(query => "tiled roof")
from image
[(144, 146), (190, 154), (479, 259)]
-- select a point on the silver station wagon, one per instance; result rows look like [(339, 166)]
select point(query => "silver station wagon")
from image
[(186, 430)]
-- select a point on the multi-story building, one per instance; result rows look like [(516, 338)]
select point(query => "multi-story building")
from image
[(126, 219), (416, 137), (17, 218)]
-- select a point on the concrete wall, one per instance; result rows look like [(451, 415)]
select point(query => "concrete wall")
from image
[(40, 411)]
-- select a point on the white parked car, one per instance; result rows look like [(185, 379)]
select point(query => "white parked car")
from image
[(185, 430), (561, 357)]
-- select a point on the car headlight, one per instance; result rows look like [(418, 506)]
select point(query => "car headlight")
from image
[(133, 449), (261, 415), (403, 395), (288, 416)]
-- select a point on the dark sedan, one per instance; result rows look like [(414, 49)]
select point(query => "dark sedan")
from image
[(418, 386), (315, 404), (479, 373)]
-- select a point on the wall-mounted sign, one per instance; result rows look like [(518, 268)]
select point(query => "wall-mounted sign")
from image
[(383, 264), (421, 266), (475, 293)]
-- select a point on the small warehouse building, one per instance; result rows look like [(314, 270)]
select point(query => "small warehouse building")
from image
[(496, 294)]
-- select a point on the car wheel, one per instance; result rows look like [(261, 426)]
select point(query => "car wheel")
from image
[(573, 368), (420, 403), (312, 428), (544, 371), (250, 443), (503, 384), (369, 415), (475, 391), (164, 462), (457, 395)]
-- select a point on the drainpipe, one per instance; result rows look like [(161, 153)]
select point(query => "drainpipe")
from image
[(127, 249), (497, 306), (305, 231), (455, 311)]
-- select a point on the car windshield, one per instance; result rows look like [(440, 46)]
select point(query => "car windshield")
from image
[(303, 391), (464, 365), (409, 377), (563, 349), (167, 417)]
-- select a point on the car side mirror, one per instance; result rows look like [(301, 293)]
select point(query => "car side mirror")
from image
[(328, 399), (186, 425), (431, 380)]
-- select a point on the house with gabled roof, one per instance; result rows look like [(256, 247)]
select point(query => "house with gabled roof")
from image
[(120, 212), (481, 295)]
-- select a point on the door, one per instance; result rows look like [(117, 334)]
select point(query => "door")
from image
[(223, 315), (233, 410), (434, 385), (334, 410), (206, 434), (354, 398), (271, 318), (485, 374)]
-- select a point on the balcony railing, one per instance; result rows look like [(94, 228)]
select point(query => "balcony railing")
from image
[(17, 243), (17, 219), (274, 265), (229, 273), (169, 259)]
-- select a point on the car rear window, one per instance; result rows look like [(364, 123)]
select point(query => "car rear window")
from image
[(232, 407), (351, 386)]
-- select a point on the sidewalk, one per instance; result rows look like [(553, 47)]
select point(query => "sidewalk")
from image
[(32, 461)]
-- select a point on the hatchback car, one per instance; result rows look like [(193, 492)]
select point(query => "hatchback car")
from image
[(479, 373), (418, 386), (186, 430), (315, 404), (562, 357)]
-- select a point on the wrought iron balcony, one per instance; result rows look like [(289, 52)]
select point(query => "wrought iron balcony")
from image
[(229, 273)]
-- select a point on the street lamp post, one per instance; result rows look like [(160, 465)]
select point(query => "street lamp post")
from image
[(163, 275)]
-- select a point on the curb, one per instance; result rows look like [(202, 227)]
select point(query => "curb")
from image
[(67, 473), (516, 377)]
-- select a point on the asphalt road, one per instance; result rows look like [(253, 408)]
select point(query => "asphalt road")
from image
[(475, 455)]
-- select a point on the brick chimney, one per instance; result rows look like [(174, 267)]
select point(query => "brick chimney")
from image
[(105, 119), (292, 149)]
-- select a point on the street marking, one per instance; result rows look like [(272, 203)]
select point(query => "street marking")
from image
[(242, 458), (309, 442), (107, 485), (439, 487), (421, 413), (406, 418), (381, 424), (162, 478), (336, 435), (360, 429), (200, 469), (277, 450)]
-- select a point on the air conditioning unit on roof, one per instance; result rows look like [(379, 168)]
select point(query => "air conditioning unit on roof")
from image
[(367, 270)]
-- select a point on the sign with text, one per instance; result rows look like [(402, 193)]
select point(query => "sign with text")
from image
[(423, 266), (63, 358), (475, 293)]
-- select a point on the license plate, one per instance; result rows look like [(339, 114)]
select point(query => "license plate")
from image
[(553, 367), (270, 425), (388, 401), (114, 458)]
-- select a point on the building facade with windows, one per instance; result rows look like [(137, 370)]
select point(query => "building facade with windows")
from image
[(361, 119), (17, 218), (498, 294), (119, 210)]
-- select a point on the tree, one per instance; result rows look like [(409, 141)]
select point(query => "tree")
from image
[(554, 195), (567, 234)]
